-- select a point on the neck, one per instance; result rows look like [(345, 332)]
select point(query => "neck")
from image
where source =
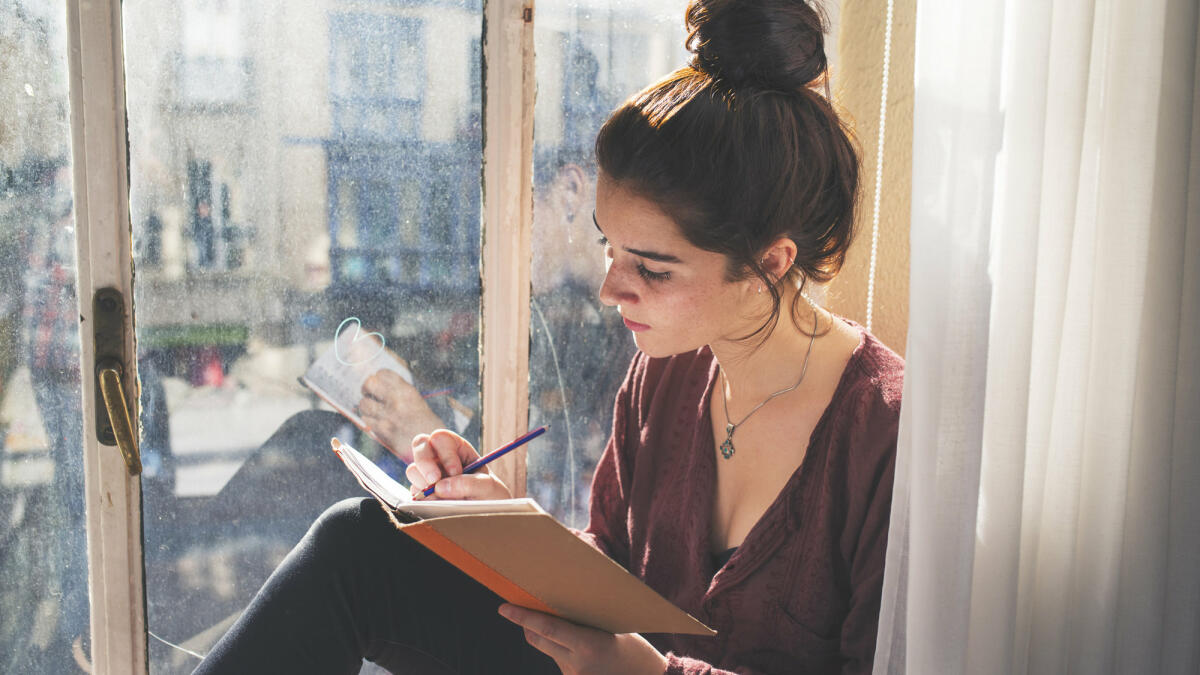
[(756, 368)]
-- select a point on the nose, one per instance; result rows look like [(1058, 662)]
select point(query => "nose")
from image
[(614, 290)]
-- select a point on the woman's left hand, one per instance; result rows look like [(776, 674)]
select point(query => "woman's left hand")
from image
[(579, 650)]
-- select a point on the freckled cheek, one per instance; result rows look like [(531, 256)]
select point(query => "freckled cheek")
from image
[(689, 311)]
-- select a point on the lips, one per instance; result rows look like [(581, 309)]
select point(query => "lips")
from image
[(635, 326)]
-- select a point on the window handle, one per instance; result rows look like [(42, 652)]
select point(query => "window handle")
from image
[(120, 425), (114, 426)]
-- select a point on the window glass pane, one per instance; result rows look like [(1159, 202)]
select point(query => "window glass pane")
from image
[(590, 57), (295, 166), (43, 554)]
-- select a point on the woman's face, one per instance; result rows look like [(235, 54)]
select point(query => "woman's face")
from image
[(672, 295)]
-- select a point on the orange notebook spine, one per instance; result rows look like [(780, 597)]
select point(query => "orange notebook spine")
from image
[(430, 538)]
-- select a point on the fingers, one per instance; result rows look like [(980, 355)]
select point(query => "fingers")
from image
[(554, 629), (471, 486), (453, 451), (547, 634), (440, 454), (581, 649), (419, 440), (466, 486), (438, 458), (416, 478), (385, 384), (374, 387), (425, 469), (394, 415), (371, 407), (376, 405), (559, 653)]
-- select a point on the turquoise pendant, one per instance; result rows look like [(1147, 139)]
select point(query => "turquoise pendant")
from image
[(727, 447)]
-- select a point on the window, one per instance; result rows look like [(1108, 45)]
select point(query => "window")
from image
[(363, 205), (43, 588), (588, 62), (216, 241), (213, 69), (378, 74), (290, 170)]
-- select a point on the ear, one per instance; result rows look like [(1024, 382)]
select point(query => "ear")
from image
[(777, 258), (572, 186)]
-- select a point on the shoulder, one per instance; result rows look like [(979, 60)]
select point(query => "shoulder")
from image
[(874, 376), (865, 418), (861, 427)]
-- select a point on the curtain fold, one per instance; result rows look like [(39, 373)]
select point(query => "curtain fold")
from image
[(1045, 517)]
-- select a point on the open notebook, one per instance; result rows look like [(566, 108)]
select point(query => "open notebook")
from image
[(525, 556)]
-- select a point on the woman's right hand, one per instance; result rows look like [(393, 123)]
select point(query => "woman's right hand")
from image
[(439, 458), (394, 410)]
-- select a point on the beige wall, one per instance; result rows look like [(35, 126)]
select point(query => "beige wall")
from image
[(858, 79)]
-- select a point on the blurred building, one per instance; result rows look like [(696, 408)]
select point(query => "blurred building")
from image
[(298, 157), (298, 148)]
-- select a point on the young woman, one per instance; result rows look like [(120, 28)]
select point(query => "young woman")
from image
[(748, 477)]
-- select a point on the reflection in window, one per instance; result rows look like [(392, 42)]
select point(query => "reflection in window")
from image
[(43, 557), (409, 214), (343, 183), (378, 75), (214, 68), (216, 240), (588, 62)]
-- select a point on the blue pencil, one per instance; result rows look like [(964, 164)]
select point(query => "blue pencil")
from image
[(495, 454)]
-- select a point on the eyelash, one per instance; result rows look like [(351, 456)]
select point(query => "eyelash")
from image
[(652, 276), (641, 269)]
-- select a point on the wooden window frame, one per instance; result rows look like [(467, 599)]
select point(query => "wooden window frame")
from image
[(104, 253), (508, 97)]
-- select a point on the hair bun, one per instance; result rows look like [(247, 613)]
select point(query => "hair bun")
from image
[(774, 44)]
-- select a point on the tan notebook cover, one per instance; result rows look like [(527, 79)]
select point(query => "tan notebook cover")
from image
[(526, 557)]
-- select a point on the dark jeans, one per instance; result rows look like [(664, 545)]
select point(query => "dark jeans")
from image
[(356, 588), (267, 506)]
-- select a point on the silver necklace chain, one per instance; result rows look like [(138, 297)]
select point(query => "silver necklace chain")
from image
[(727, 448)]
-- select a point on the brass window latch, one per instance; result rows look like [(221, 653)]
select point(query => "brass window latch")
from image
[(114, 424)]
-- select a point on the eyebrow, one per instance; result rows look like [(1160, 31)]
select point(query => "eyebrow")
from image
[(649, 255)]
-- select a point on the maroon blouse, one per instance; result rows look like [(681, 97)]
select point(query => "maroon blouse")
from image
[(801, 594)]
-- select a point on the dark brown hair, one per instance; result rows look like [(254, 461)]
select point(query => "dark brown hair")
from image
[(738, 148)]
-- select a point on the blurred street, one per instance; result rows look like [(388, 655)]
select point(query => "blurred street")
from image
[(213, 429)]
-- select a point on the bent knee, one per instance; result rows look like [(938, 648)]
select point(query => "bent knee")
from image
[(351, 520)]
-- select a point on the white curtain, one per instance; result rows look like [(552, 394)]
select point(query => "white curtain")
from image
[(1046, 516)]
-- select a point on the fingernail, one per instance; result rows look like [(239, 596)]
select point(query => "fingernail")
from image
[(431, 476)]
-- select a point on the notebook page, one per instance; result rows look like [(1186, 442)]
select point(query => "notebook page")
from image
[(398, 497)]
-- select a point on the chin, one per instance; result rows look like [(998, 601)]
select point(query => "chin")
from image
[(657, 349)]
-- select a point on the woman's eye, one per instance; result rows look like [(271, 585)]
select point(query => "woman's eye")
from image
[(652, 276), (644, 273)]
